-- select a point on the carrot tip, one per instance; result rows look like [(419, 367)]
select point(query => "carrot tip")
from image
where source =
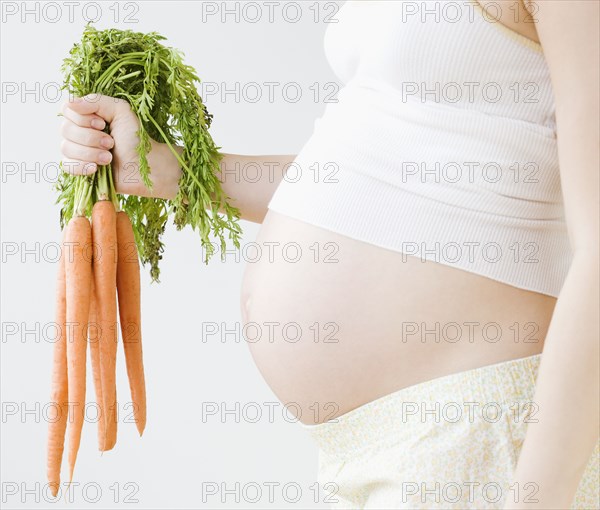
[(68, 488)]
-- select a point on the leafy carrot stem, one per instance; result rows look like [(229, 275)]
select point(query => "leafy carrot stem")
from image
[(162, 92)]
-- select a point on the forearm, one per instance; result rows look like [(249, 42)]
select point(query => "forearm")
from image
[(251, 181), (564, 430), (248, 181)]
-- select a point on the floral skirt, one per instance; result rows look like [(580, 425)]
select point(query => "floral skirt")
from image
[(449, 443)]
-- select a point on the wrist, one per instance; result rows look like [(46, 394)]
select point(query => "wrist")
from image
[(165, 170)]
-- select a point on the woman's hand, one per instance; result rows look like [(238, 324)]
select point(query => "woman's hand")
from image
[(85, 146)]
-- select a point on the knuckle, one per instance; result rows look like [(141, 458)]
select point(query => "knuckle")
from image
[(122, 105), (63, 128)]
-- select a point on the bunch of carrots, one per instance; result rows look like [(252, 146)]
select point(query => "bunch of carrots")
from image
[(98, 264), (107, 235)]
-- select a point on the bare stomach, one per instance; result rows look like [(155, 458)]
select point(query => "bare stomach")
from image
[(334, 323)]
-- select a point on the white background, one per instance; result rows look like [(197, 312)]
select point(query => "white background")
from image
[(184, 370)]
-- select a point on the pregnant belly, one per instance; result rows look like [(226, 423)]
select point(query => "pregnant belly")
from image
[(333, 323)]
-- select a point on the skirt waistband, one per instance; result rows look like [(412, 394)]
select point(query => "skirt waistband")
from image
[(492, 392)]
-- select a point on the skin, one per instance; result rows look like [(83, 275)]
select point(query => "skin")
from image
[(370, 303)]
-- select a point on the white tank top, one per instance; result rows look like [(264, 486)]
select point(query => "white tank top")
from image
[(442, 144)]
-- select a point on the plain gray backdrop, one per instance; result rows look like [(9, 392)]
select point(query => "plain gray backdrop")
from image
[(186, 453)]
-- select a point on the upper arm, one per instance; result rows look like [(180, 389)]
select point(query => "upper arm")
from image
[(569, 34)]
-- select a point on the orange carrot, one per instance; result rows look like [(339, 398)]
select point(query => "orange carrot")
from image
[(94, 343), (78, 278), (104, 235), (128, 289), (59, 392)]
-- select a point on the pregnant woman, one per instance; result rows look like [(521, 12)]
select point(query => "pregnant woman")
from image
[(445, 303)]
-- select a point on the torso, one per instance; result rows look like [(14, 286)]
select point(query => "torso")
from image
[(363, 313), (373, 320)]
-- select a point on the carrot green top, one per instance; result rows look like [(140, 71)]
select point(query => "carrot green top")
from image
[(161, 90)]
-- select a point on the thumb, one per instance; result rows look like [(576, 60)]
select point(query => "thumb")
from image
[(105, 107)]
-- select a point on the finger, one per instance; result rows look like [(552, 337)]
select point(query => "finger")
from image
[(77, 167), (105, 107), (86, 136), (91, 120), (72, 150)]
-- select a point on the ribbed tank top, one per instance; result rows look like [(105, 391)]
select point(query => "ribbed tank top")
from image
[(441, 145)]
